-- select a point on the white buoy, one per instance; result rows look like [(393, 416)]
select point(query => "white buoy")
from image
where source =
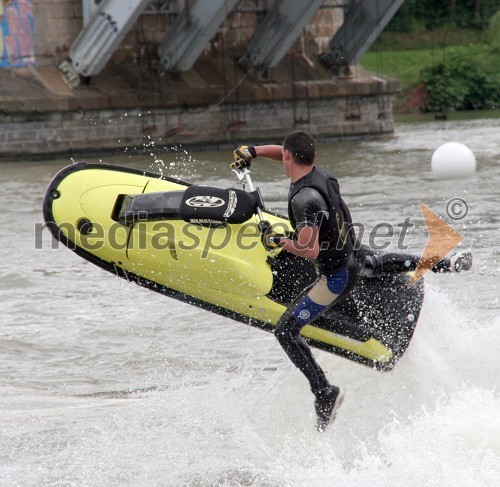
[(453, 160)]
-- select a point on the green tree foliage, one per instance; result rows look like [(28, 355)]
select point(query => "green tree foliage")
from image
[(494, 32), (467, 79), (456, 42), (418, 15)]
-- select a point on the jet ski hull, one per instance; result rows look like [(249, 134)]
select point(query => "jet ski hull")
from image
[(221, 268)]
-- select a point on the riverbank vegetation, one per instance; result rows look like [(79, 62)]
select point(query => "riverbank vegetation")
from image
[(446, 54)]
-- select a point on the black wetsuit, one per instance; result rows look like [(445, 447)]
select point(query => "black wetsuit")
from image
[(315, 200)]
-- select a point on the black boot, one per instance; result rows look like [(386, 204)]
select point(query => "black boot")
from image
[(327, 402), (461, 261)]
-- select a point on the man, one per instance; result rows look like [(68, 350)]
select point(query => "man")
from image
[(324, 234)]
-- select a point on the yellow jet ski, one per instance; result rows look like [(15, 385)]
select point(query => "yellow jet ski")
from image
[(201, 245)]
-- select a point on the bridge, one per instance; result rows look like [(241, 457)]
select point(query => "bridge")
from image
[(196, 22), (137, 73)]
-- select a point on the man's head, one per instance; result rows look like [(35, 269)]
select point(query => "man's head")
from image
[(301, 147)]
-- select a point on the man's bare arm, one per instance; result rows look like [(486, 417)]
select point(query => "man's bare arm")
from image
[(306, 245), (274, 152)]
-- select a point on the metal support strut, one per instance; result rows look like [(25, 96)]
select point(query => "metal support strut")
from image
[(277, 32), (364, 20), (191, 32), (101, 36)]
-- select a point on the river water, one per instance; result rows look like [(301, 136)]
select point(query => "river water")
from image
[(108, 384)]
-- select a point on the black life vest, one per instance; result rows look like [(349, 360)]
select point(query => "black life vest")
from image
[(336, 233)]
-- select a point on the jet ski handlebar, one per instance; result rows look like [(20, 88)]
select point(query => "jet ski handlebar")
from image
[(243, 174)]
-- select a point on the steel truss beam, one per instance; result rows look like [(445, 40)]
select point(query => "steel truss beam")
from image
[(281, 26), (192, 30), (364, 20)]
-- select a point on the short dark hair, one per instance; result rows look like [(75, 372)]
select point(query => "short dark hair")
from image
[(302, 147)]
